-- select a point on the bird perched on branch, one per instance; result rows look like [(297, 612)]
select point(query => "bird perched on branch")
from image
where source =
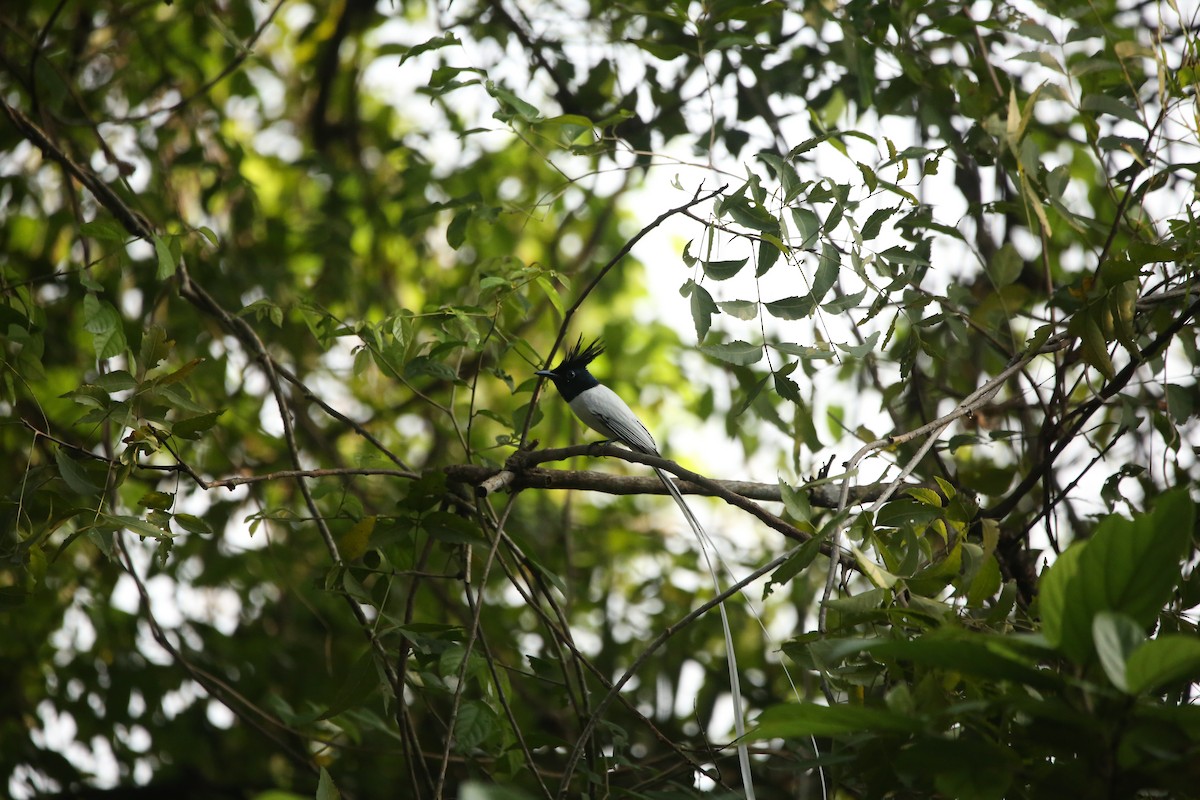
[(603, 410)]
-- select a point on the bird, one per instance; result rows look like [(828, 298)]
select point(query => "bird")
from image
[(603, 410)]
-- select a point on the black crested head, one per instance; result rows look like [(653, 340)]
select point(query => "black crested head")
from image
[(578, 357), (571, 376)]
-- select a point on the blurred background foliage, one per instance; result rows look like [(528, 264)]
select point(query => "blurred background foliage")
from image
[(245, 240)]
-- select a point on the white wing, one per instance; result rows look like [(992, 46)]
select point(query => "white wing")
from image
[(603, 410)]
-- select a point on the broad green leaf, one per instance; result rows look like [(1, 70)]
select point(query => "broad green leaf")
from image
[(796, 502), (1055, 590), (159, 500), (799, 721), (1095, 347), (1171, 658), (1115, 636), (511, 106), (1128, 566), (116, 381), (551, 294), (1041, 57), (476, 723)]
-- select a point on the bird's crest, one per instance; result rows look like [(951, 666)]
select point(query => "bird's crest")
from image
[(578, 357)]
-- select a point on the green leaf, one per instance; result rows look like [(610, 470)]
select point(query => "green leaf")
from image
[(476, 723), (1006, 265), (828, 266), (1054, 590), (552, 295), (510, 105), (740, 353), (158, 500), (74, 475), (702, 307), (1095, 347), (797, 721), (195, 427), (325, 787), (875, 573), (806, 145), (451, 528), (874, 223), (104, 229), (804, 351), (723, 270), (860, 350), (1170, 658), (477, 790), (353, 543), (456, 231), (1128, 566), (104, 323), (792, 307), (808, 225), (796, 502), (741, 309), (193, 524), (116, 381), (356, 685), (166, 262), (135, 525), (796, 563), (1115, 636), (1110, 105), (436, 43), (769, 251)]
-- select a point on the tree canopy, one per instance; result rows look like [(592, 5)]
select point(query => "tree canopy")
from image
[(287, 513)]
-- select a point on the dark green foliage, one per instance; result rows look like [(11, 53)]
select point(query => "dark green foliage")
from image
[(274, 280)]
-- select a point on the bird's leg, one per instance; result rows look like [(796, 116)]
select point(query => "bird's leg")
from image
[(594, 447)]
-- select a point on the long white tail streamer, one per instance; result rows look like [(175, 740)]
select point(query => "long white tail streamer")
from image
[(706, 543)]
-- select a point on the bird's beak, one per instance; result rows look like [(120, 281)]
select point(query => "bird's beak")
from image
[(545, 373)]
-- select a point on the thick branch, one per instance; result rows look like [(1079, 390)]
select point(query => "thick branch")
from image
[(487, 480)]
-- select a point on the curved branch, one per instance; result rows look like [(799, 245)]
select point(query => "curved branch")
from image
[(697, 198)]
